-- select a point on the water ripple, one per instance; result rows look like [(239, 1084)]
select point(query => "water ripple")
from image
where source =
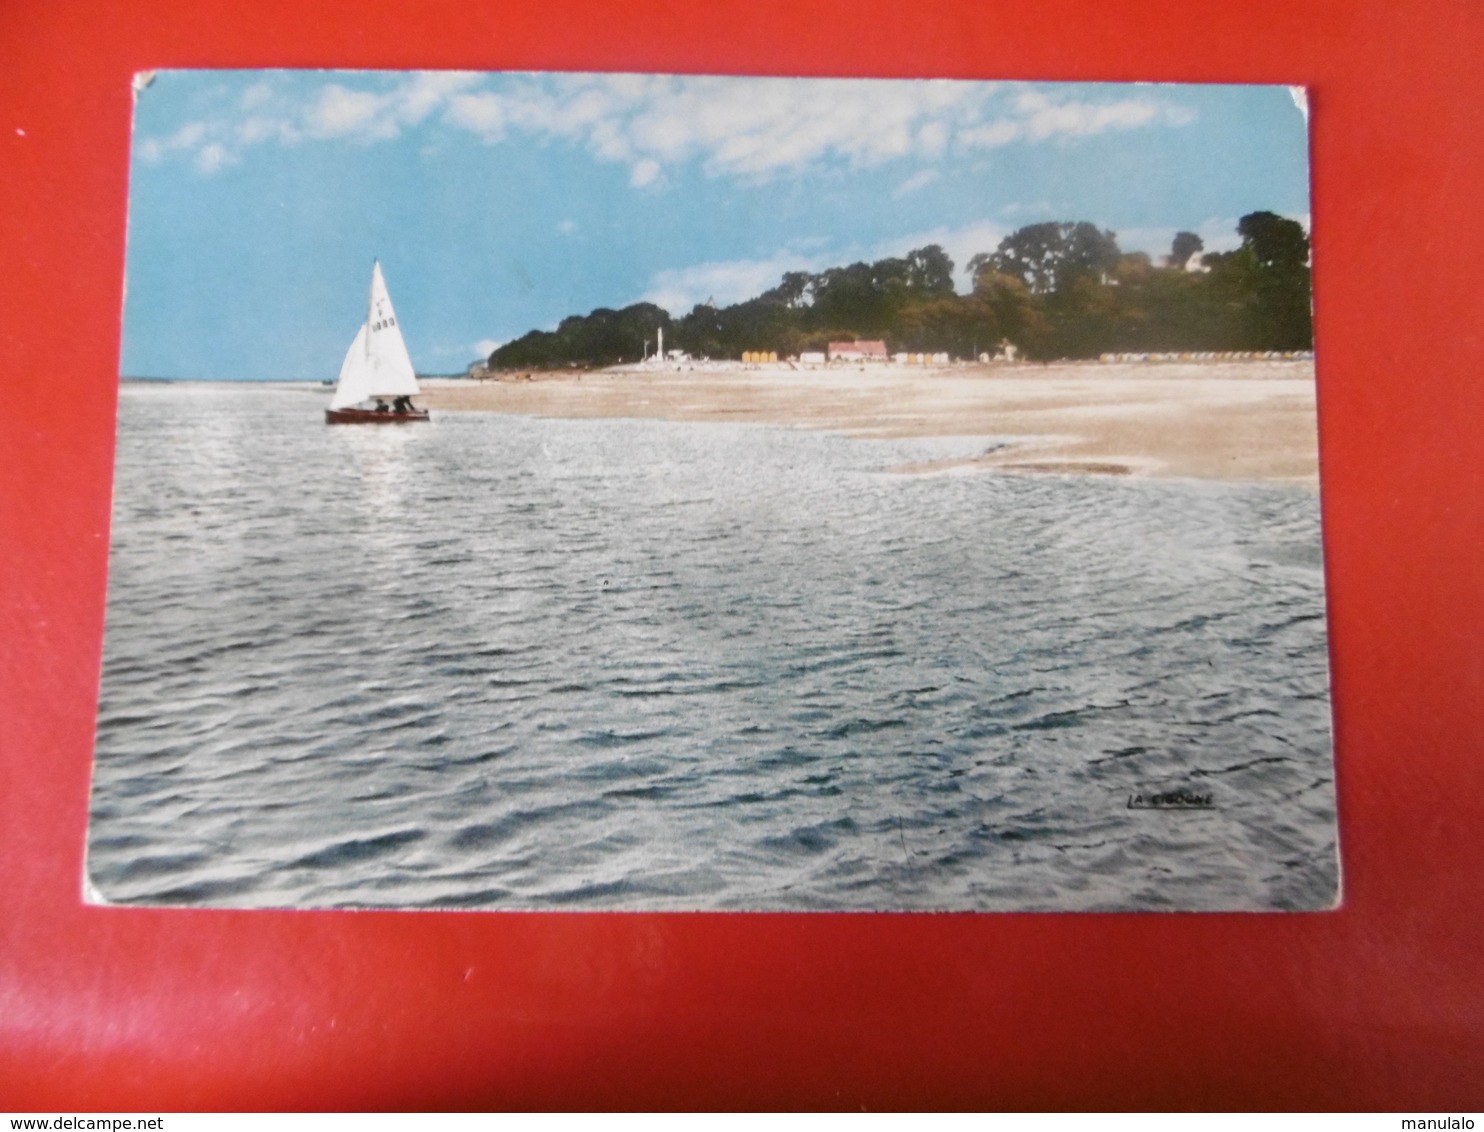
[(519, 663)]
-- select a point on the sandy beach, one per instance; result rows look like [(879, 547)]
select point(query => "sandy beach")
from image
[(1216, 420)]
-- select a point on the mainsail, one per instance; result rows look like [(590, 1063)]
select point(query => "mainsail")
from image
[(376, 365)]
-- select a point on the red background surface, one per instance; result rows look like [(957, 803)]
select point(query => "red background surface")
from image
[(1378, 1005)]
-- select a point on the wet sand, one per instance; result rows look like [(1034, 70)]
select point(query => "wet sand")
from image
[(1218, 420)]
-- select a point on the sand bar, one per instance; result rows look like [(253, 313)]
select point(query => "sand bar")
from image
[(1218, 420)]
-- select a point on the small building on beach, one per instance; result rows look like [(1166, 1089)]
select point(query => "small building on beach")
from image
[(858, 351)]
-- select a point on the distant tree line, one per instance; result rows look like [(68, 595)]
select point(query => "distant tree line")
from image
[(1053, 290)]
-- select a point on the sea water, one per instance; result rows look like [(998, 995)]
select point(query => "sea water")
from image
[(521, 663)]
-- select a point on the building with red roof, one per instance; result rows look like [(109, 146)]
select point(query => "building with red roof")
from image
[(857, 351)]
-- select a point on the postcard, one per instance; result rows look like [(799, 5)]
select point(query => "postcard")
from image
[(649, 492)]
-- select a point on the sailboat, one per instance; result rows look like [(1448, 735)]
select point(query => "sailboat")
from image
[(376, 383)]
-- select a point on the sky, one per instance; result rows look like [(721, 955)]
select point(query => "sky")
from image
[(502, 203)]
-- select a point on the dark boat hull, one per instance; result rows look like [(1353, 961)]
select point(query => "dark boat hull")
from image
[(371, 416)]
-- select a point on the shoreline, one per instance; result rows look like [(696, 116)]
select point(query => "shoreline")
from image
[(1247, 421)]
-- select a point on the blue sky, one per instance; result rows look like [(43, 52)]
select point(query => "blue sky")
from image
[(501, 203)]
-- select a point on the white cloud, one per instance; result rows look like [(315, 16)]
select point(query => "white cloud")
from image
[(761, 128), (757, 128), (486, 346), (336, 110), (430, 90), (1018, 208), (750, 128), (732, 281), (340, 111), (254, 130), (961, 244), (480, 113), (1154, 242), (1217, 233), (913, 183), (256, 95), (187, 137), (567, 227), (645, 172), (1035, 115), (1081, 119), (932, 139), (212, 157), (725, 282), (991, 135)]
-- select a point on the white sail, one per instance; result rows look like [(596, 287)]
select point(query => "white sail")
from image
[(355, 375), (377, 364)]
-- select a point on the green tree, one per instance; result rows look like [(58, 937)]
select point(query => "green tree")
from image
[(1011, 312), (930, 269), (1185, 245), (1268, 279), (1050, 256), (1056, 290), (1277, 243)]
